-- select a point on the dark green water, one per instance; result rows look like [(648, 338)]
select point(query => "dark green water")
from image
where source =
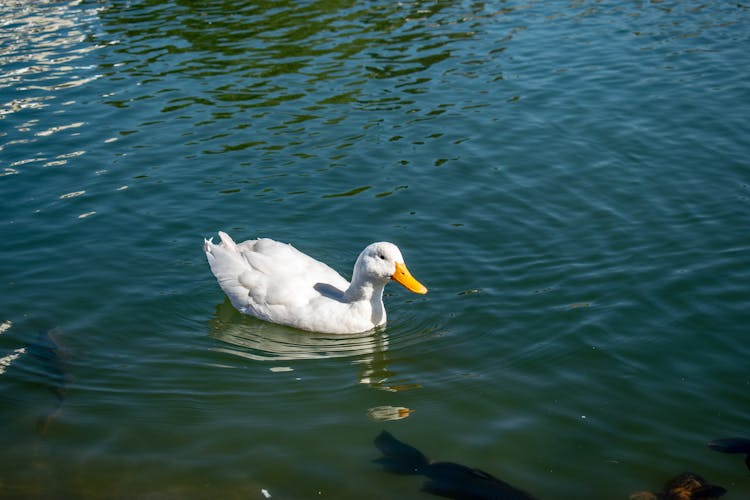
[(570, 180)]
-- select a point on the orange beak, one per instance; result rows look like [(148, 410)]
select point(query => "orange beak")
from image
[(403, 276)]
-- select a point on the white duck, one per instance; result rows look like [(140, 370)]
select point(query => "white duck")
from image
[(276, 282)]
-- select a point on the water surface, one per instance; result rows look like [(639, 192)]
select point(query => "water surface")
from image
[(569, 179)]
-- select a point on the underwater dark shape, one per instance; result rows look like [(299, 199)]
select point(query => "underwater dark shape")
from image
[(446, 479), (732, 445)]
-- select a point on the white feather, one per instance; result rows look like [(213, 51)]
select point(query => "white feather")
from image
[(276, 282)]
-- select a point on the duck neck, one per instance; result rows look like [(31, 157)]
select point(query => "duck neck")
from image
[(367, 297), (362, 289)]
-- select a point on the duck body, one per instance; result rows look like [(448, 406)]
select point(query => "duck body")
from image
[(276, 282)]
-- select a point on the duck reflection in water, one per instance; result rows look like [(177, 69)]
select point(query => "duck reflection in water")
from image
[(446, 479), (251, 338)]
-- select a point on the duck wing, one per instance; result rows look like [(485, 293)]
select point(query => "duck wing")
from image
[(270, 279)]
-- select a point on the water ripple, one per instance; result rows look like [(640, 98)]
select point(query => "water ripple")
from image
[(263, 341), (569, 180)]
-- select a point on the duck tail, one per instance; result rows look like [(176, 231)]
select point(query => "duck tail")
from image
[(398, 457), (228, 241), (224, 258), (207, 243)]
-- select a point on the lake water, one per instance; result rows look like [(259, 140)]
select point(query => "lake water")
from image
[(571, 180)]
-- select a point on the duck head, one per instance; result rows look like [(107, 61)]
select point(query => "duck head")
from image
[(381, 262)]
